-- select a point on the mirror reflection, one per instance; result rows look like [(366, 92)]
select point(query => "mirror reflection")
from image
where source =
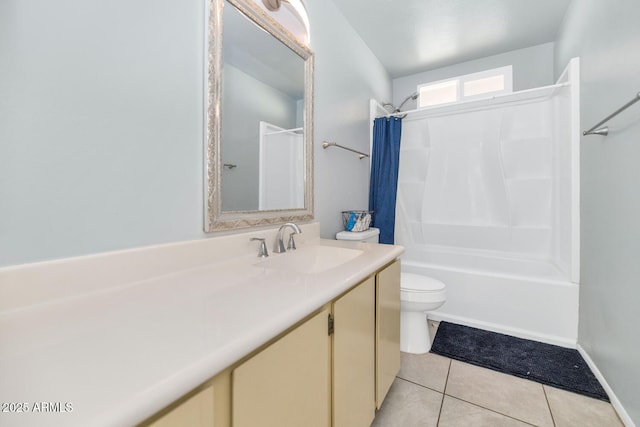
[(262, 119)]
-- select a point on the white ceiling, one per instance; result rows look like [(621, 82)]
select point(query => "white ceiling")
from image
[(410, 36)]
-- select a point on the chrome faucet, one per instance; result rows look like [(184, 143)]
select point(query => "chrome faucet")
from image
[(280, 238), (262, 252)]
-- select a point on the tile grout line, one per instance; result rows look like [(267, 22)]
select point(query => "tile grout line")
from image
[(475, 404), (553, 420), (420, 385), (491, 410), (443, 394)]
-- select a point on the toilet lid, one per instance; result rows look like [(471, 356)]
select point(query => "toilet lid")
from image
[(357, 236), (419, 283)]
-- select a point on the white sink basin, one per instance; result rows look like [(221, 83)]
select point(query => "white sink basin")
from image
[(311, 259)]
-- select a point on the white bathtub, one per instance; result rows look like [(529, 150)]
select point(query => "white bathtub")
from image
[(488, 202), (521, 297)]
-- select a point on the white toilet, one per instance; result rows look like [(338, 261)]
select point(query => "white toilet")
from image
[(418, 295)]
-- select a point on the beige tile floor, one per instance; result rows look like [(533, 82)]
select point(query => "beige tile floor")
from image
[(432, 390)]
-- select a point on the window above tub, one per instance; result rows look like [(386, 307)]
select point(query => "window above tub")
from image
[(465, 88)]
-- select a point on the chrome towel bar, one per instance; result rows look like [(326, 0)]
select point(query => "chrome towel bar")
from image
[(597, 130), (360, 154)]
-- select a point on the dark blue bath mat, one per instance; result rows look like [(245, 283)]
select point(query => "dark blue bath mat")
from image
[(544, 363)]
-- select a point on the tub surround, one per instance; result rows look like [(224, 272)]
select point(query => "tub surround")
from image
[(488, 203), (514, 297), (121, 335)]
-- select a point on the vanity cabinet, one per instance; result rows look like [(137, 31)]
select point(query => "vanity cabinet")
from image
[(207, 406), (311, 376), (387, 329), (287, 383), (354, 357), (196, 411)]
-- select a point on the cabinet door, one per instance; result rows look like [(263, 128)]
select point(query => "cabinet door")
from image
[(288, 383), (197, 411), (387, 329), (353, 357)]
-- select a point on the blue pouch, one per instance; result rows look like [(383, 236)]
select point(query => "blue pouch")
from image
[(352, 221)]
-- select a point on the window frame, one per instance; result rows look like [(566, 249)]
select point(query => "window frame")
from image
[(506, 72)]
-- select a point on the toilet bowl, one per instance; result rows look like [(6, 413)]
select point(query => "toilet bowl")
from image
[(418, 295)]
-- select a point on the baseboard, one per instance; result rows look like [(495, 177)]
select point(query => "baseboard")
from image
[(624, 416), (503, 329)]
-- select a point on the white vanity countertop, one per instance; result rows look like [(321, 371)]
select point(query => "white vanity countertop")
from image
[(120, 354)]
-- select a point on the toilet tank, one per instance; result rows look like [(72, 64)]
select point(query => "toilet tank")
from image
[(371, 235)]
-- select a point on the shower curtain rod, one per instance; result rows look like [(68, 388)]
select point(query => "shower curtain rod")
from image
[(522, 95), (327, 144)]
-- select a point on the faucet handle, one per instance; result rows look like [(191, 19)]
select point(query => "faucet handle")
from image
[(262, 252), (292, 243)]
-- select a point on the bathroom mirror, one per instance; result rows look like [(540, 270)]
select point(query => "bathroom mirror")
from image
[(259, 164)]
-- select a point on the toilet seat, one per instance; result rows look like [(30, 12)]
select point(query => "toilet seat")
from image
[(410, 282), (416, 288)]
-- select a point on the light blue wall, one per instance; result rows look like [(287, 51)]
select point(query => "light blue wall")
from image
[(101, 123), (606, 37), (532, 67), (347, 76)]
